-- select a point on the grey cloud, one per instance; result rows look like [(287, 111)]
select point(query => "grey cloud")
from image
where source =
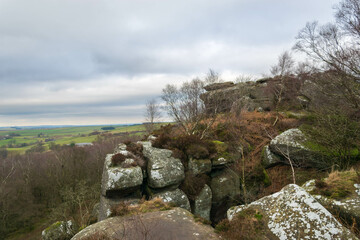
[(58, 51)]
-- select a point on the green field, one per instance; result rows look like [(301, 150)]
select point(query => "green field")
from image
[(63, 135)]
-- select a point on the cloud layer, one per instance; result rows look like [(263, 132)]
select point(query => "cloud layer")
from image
[(93, 62)]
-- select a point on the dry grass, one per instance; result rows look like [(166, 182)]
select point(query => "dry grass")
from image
[(248, 224), (338, 185), (153, 205)]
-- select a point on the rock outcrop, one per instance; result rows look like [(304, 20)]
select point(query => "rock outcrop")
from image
[(234, 97), (177, 223), (293, 213)]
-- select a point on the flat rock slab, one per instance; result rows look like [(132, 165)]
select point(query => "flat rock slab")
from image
[(293, 213), (176, 224)]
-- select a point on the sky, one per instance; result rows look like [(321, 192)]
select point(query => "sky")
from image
[(99, 61)]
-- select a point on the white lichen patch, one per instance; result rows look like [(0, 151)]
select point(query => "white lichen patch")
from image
[(292, 138), (292, 213)]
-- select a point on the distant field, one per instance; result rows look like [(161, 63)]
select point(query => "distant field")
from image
[(62, 135)]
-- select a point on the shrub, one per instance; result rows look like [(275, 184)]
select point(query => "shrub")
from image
[(336, 136), (197, 151), (117, 159)]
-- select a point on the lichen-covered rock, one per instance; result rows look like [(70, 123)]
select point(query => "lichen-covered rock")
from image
[(177, 197), (198, 166), (163, 170), (106, 205), (348, 208), (224, 184), (291, 143), (118, 178), (202, 203), (269, 159), (293, 213), (176, 223), (59, 231)]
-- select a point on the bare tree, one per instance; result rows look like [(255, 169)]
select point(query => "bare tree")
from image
[(152, 115), (212, 77), (337, 48), (186, 108), (284, 66), (281, 71)]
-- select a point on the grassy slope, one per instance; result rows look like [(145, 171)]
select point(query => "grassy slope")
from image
[(65, 135)]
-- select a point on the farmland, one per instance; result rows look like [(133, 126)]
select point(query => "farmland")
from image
[(20, 140)]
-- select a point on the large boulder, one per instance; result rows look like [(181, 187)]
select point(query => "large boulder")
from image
[(348, 208), (119, 179), (167, 225), (293, 213), (59, 231), (202, 203), (291, 143), (177, 197), (163, 170)]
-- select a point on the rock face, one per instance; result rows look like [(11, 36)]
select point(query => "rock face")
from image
[(234, 97), (59, 231), (176, 197), (292, 213), (172, 224), (225, 188), (163, 170), (202, 203), (225, 184), (348, 208), (291, 143), (118, 178)]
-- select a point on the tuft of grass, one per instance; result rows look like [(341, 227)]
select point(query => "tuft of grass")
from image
[(248, 224), (338, 185), (156, 204)]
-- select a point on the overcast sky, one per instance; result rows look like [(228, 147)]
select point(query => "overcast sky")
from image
[(100, 61)]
